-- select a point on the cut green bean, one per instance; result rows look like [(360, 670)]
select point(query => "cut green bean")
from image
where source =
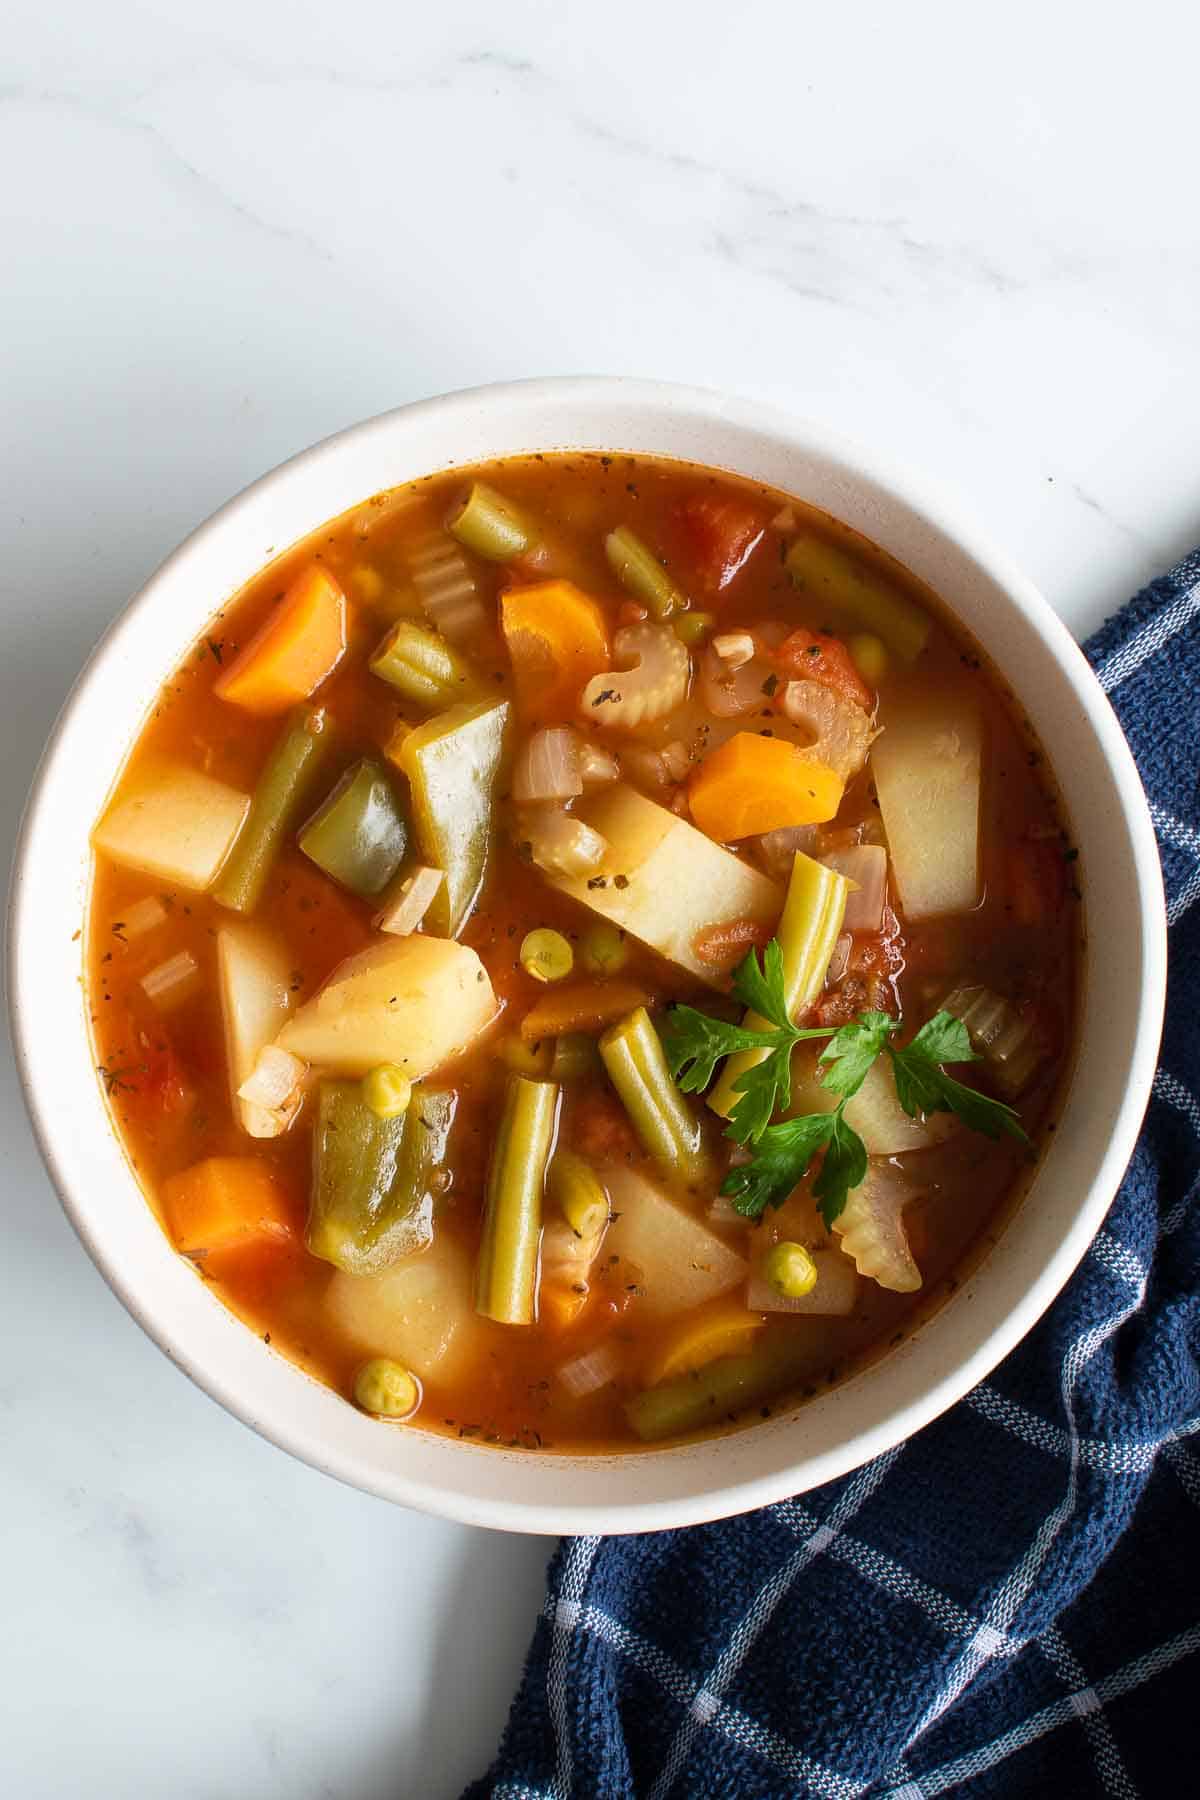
[(452, 762), (507, 1271), (358, 834), (720, 1390), (579, 1193), (807, 931), (637, 568), (575, 1055), (850, 592), (424, 667), (373, 1177), (668, 1128), (282, 789), (488, 525)]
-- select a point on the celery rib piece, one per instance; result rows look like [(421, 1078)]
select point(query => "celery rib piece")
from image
[(488, 525), (807, 932)]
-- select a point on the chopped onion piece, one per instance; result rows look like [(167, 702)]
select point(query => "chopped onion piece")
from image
[(728, 689), (734, 648), (170, 982), (866, 866), (833, 1294), (559, 843), (547, 767), (274, 1078), (778, 849), (596, 765), (142, 917), (415, 896), (839, 962), (594, 1370)]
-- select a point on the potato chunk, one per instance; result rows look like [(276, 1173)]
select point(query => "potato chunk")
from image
[(678, 1260), (927, 766), (874, 1112), (420, 1311), (174, 823), (664, 881), (416, 1001), (254, 977)]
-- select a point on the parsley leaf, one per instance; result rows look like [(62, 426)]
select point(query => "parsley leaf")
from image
[(781, 1159), (844, 1167), (694, 1044), (852, 1051), (763, 989), (761, 1090), (922, 1086)]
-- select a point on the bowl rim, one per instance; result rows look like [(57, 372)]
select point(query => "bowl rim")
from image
[(923, 499)]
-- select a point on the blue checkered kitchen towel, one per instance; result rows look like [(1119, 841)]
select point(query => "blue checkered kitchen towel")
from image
[(1008, 1604)]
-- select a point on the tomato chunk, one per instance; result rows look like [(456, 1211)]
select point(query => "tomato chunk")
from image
[(809, 656), (719, 535)]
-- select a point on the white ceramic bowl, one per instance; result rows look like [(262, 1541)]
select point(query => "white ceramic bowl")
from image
[(876, 1408)]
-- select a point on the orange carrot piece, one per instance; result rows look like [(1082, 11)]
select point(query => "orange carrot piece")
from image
[(557, 639), (809, 656), (753, 784), (294, 652), (224, 1200), (580, 1006)]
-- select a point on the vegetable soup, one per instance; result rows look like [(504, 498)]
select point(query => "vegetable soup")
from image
[(582, 952)]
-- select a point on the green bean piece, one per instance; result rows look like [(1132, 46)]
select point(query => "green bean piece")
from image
[(452, 762), (282, 789), (579, 1193), (574, 1056), (488, 525), (424, 667), (637, 568), (807, 931), (717, 1392), (668, 1128), (358, 834), (850, 592), (373, 1178), (506, 1275)]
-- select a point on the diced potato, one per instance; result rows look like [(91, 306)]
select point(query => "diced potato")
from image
[(927, 766), (415, 1001), (664, 881), (420, 1311), (254, 981), (874, 1112), (174, 823), (679, 1261)]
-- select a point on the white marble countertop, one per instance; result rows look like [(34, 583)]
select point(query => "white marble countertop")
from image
[(967, 234)]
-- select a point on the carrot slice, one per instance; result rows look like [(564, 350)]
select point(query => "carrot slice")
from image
[(731, 1331), (225, 1200), (557, 639), (809, 656), (294, 652), (753, 784), (580, 1006)]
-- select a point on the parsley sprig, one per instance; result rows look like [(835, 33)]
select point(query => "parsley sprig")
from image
[(783, 1153)]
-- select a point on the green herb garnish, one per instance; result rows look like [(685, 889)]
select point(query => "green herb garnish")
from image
[(783, 1153)]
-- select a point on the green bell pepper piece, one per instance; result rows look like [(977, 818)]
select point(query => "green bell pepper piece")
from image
[(358, 834), (372, 1188), (452, 762)]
